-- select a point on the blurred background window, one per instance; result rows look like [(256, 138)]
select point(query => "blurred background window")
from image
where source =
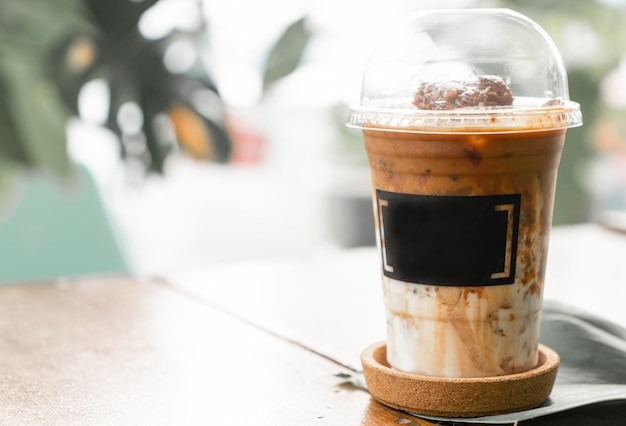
[(214, 130)]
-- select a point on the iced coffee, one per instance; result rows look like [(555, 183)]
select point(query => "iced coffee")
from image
[(463, 180)]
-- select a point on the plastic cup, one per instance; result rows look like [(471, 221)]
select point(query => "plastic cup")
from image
[(463, 187)]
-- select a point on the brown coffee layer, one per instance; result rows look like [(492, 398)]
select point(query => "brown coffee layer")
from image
[(457, 331)]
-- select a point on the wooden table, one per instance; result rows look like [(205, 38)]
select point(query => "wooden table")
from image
[(262, 342)]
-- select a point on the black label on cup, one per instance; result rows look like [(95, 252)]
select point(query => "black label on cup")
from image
[(449, 240)]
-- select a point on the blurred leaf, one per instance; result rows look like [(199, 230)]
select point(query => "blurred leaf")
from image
[(32, 120), (200, 136), (285, 55), (37, 116), (8, 180), (192, 132), (117, 18), (70, 65), (11, 144), (39, 24)]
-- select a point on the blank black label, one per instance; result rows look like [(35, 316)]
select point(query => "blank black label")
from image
[(449, 241)]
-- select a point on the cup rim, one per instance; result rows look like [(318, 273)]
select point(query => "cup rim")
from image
[(566, 114)]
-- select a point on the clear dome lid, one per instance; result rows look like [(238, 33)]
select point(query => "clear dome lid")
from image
[(466, 70)]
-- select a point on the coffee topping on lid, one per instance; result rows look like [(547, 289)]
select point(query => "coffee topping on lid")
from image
[(486, 91)]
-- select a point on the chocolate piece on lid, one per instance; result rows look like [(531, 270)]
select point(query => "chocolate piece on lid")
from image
[(485, 91)]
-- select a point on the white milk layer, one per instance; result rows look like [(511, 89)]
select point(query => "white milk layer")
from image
[(462, 331)]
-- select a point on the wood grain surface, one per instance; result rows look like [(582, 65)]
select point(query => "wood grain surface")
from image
[(121, 351), (262, 342)]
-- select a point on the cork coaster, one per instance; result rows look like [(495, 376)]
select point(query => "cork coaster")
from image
[(458, 397)]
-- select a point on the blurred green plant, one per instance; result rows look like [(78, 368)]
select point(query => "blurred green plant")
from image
[(286, 53), (49, 50), (32, 115), (185, 102)]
